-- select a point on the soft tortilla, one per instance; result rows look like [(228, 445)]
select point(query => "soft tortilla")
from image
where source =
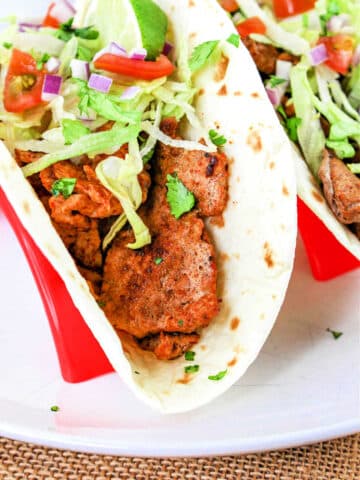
[(255, 246)]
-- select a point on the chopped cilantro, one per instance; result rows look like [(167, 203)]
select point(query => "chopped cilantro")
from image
[(179, 198), (7, 45), (158, 260), (55, 408), (274, 80), (101, 303), (64, 187), (42, 60), (190, 356), (333, 9), (202, 54), (73, 130), (305, 20), (66, 32), (192, 368), (354, 167), (281, 110), (216, 138), (181, 323), (292, 125), (234, 40), (218, 376), (334, 333)]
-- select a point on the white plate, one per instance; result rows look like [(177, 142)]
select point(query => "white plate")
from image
[(303, 388)]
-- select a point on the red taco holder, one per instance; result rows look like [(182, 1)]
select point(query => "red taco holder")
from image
[(80, 356), (328, 258)]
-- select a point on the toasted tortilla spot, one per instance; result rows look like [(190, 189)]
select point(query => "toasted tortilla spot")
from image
[(236, 255), (221, 69), (254, 141), (192, 35), (317, 196), (201, 91), (26, 207), (235, 322), (268, 255), (217, 125), (203, 347), (255, 95), (232, 362), (191, 3), (218, 221), (237, 93), (222, 91), (185, 380), (71, 274), (224, 257), (272, 165), (285, 191), (231, 142)]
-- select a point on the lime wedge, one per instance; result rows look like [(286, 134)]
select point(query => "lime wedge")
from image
[(131, 23)]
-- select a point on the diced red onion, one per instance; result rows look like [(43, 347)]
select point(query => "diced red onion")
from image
[(80, 69), (100, 83), (24, 25), (130, 93), (138, 54), (356, 57), (318, 54), (53, 65), (283, 69), (167, 48), (113, 48), (274, 95), (339, 24), (51, 88), (62, 11)]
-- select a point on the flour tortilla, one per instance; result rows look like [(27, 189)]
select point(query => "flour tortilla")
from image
[(255, 247)]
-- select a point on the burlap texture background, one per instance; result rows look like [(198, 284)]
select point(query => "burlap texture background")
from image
[(335, 460)]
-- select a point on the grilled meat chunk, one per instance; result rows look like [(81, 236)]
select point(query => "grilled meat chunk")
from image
[(177, 295), (167, 346), (204, 174), (341, 188)]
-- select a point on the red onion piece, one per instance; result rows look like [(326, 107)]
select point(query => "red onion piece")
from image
[(339, 24), (23, 26), (62, 11), (138, 54), (80, 69), (100, 83), (130, 93), (356, 57), (318, 54), (274, 95), (53, 65), (167, 48), (51, 88), (113, 48)]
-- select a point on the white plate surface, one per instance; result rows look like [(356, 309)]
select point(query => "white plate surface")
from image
[(303, 388)]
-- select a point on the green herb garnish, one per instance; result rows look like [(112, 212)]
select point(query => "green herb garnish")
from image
[(7, 45), (216, 138), (305, 20), (42, 60), (101, 303), (202, 54), (333, 9), (190, 356), (192, 368), (218, 376), (64, 187), (274, 80), (291, 124), (179, 198), (234, 40), (158, 260), (334, 333), (55, 408), (181, 323), (73, 130), (66, 32)]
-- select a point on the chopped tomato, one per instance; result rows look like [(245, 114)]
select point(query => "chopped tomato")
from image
[(287, 8), (340, 49), (23, 83), (49, 20), (251, 25), (141, 69), (229, 5)]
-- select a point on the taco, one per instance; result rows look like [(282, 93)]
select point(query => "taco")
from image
[(157, 184), (310, 65)]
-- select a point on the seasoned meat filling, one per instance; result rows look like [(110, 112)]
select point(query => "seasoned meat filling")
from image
[(341, 188)]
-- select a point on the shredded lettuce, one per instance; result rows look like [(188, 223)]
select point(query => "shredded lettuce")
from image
[(342, 148), (73, 130), (353, 87), (39, 42), (67, 55)]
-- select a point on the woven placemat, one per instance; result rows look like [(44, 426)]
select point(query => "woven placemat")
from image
[(335, 460)]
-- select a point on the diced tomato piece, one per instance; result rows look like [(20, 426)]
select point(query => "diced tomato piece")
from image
[(23, 83), (340, 49), (141, 69), (229, 5), (251, 25), (287, 8), (49, 20)]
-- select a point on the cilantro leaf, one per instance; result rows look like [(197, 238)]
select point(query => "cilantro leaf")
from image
[(292, 125), (234, 40), (64, 187), (192, 368), (66, 32), (181, 323), (202, 54), (216, 138), (54, 408), (7, 45), (333, 8), (73, 130), (274, 80), (158, 260), (334, 333), (42, 60), (190, 356), (354, 168), (179, 198), (218, 376)]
